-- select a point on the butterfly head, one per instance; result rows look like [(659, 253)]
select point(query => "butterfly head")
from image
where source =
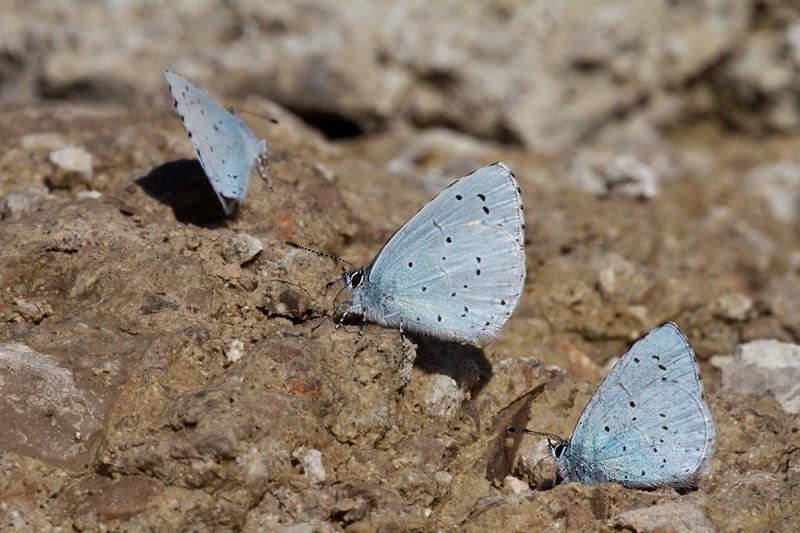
[(353, 279), (558, 449)]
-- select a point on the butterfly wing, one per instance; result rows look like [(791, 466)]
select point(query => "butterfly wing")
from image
[(648, 424), (226, 147), (456, 269)]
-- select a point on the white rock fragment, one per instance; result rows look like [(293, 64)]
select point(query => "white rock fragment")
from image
[(733, 306), (72, 159), (89, 194), (793, 40), (720, 361), (43, 141), (444, 397), (23, 201), (585, 178), (235, 351), (515, 485), (628, 176), (313, 470), (72, 168), (766, 367), (778, 184)]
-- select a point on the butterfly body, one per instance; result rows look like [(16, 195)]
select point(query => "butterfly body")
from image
[(456, 269), (648, 424), (226, 147)]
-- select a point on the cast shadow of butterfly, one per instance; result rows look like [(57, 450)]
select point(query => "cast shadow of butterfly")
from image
[(454, 359), (183, 186)]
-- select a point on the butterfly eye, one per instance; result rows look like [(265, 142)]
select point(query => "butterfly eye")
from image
[(558, 449), (355, 279)]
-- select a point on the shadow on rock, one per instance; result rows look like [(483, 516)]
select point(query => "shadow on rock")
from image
[(455, 360), (183, 186)]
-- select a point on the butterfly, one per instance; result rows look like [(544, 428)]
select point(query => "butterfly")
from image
[(647, 425), (226, 147), (456, 269)]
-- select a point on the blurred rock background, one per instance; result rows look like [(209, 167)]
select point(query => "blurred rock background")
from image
[(163, 368)]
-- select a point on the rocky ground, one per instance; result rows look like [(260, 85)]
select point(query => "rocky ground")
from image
[(163, 368)]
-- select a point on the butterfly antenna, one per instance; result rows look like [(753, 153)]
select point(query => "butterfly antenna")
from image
[(268, 119), (540, 433), (295, 245), (321, 321)]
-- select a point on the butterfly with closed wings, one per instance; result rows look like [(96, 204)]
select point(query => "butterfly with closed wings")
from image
[(456, 269), (647, 425), (226, 147)]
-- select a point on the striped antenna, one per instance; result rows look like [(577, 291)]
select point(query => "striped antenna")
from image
[(541, 434), (295, 245)]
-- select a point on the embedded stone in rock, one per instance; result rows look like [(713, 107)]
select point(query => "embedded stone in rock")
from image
[(241, 248), (679, 516), (23, 201), (32, 311), (45, 413)]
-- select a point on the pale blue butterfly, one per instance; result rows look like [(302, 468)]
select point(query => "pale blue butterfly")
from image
[(226, 147), (456, 269), (647, 425)]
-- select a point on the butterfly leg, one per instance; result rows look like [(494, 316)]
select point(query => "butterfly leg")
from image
[(263, 166), (340, 322), (360, 332), (403, 340), (389, 318)]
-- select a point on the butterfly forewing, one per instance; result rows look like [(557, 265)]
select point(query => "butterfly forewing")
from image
[(226, 147), (457, 268), (648, 423)]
